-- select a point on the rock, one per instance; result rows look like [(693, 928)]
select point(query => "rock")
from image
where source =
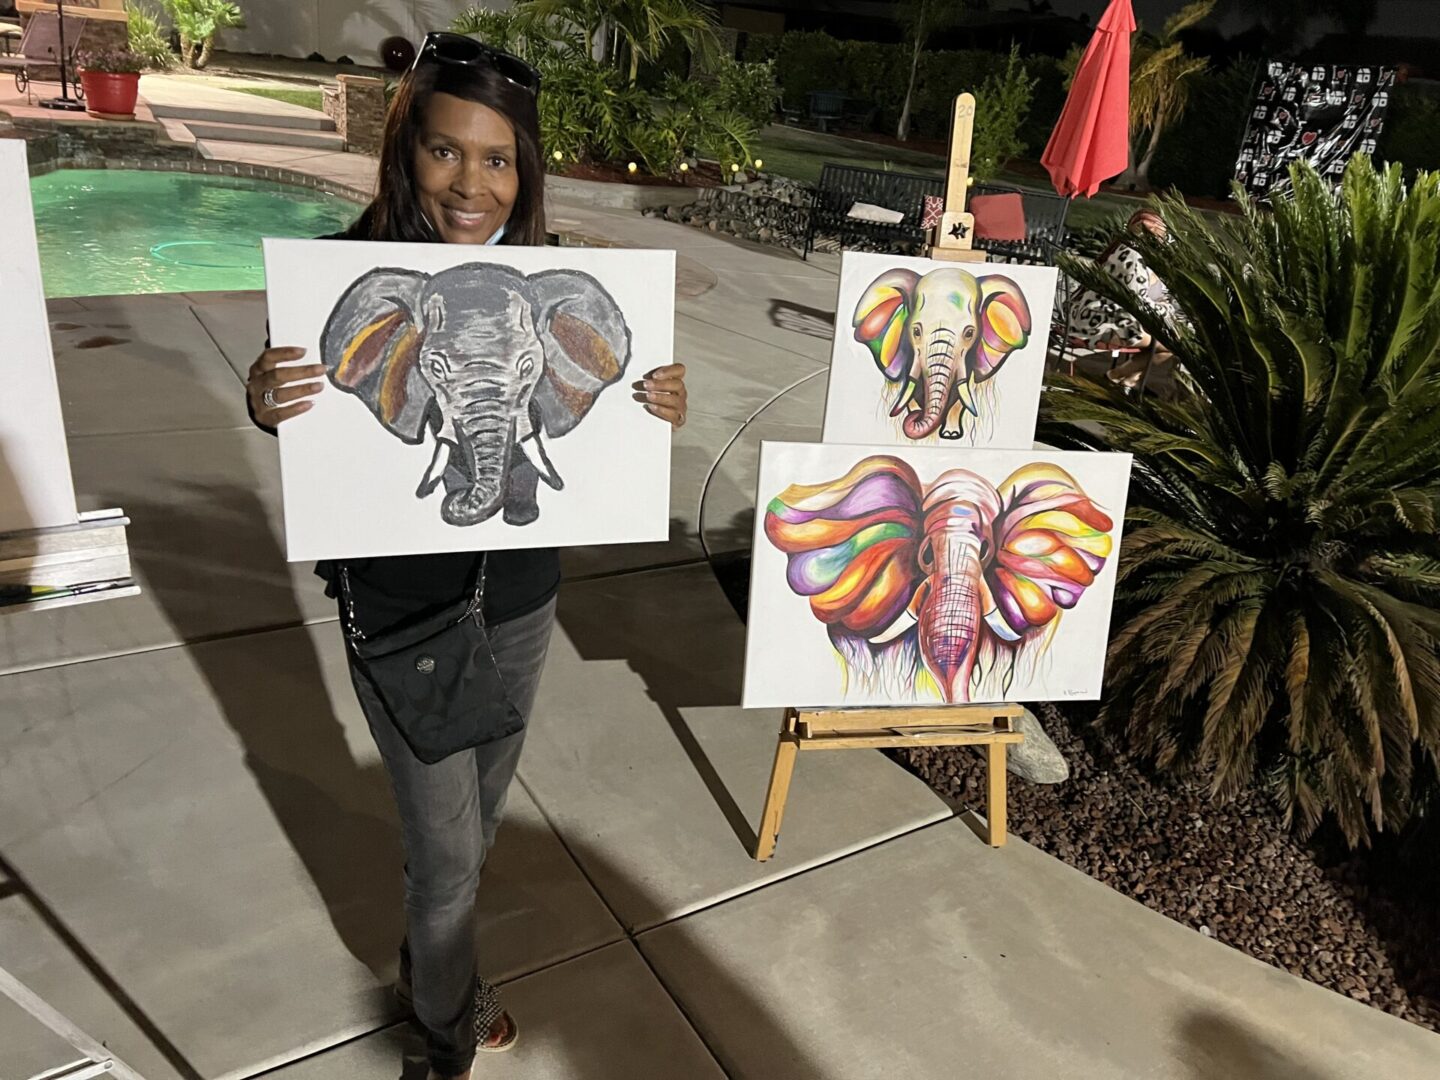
[(1037, 759)]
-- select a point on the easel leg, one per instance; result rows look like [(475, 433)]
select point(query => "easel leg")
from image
[(784, 768), (995, 809)]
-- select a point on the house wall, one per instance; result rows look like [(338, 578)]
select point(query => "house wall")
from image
[(335, 28)]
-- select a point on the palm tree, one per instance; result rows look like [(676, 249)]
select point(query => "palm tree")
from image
[(198, 22), (630, 32), (1160, 78), (920, 19), (1278, 606)]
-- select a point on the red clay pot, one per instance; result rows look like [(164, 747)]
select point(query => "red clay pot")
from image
[(110, 95)]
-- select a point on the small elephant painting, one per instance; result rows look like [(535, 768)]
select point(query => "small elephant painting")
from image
[(953, 352), (939, 577), (487, 362)]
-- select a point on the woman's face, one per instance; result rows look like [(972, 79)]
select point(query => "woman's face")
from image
[(465, 169)]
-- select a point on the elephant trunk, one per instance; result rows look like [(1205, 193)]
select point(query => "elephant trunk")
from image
[(951, 620), (939, 376), (485, 440)]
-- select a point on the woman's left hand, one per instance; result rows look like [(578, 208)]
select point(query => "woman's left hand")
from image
[(663, 393)]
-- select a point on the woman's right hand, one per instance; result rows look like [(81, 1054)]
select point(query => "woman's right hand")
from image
[(275, 373)]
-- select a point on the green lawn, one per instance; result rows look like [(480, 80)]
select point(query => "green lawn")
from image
[(799, 154), (310, 99)]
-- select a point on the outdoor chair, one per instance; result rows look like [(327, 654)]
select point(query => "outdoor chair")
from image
[(1069, 349), (826, 106), (1044, 226), (40, 48)]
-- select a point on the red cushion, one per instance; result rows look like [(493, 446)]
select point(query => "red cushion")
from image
[(999, 217)]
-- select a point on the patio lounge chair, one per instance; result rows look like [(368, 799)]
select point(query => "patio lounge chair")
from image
[(40, 48)]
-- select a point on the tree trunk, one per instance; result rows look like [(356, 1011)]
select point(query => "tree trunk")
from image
[(1142, 171), (207, 50), (634, 65), (902, 131), (187, 51)]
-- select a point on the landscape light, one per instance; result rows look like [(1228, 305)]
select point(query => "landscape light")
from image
[(684, 166), (632, 167)]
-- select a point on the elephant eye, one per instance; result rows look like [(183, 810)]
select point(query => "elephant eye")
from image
[(526, 365), (437, 363), (916, 333)]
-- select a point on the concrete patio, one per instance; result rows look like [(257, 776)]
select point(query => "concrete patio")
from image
[(201, 865)]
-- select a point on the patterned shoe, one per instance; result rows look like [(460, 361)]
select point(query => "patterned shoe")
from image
[(495, 1029)]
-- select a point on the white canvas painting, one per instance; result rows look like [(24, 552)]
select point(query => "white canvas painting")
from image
[(935, 353), (930, 576), (476, 398), (36, 491)]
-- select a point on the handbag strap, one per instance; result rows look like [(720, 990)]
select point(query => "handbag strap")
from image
[(352, 628)]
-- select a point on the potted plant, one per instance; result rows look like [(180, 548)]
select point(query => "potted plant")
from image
[(111, 79)]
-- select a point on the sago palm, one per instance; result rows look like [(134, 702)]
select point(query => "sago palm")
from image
[(1279, 594)]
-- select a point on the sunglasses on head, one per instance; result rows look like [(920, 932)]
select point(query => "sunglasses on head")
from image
[(458, 50)]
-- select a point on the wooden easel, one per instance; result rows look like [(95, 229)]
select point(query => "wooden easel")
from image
[(955, 237), (990, 726)]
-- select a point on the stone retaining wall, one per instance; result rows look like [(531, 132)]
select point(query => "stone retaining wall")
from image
[(774, 211)]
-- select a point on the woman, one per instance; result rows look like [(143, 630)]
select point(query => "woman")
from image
[(1103, 324), (460, 163)]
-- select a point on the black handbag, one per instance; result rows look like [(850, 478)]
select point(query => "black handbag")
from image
[(437, 678)]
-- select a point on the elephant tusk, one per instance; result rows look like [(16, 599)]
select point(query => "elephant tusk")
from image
[(999, 627), (902, 624), (535, 454), (966, 390), (436, 472)]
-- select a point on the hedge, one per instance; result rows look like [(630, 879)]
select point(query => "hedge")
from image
[(876, 73)]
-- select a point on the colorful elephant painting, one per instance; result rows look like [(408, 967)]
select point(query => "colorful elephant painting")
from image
[(484, 359), (934, 591), (941, 339)]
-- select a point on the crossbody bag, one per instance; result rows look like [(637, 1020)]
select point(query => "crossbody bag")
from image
[(437, 678)]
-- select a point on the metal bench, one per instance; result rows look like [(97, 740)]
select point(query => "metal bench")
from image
[(842, 186), (1044, 226)]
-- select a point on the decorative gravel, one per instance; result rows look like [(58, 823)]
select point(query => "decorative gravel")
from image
[(1367, 925)]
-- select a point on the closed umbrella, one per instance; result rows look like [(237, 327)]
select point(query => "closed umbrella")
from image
[(1091, 143)]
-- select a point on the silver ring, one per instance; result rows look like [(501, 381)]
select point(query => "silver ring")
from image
[(269, 399)]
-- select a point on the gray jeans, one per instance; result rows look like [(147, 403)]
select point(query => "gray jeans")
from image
[(449, 812)]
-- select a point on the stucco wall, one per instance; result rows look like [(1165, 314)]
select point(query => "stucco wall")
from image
[(335, 28)]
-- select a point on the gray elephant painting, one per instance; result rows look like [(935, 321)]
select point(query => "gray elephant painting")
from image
[(488, 361), (940, 338)]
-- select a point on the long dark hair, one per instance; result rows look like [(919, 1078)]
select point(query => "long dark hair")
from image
[(394, 213)]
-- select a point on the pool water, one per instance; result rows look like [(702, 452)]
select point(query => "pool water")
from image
[(110, 231)]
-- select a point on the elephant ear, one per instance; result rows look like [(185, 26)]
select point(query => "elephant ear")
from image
[(586, 343), (1004, 324), (880, 318), (371, 347), (1051, 541), (851, 545)]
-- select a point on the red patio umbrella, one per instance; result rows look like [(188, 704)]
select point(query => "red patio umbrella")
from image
[(1091, 143)]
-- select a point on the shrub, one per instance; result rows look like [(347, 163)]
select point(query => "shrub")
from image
[(1278, 607), (147, 36), (747, 89), (1001, 105), (1410, 129), (1198, 153), (198, 22)]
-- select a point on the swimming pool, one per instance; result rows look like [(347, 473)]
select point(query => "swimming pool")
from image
[(110, 231)]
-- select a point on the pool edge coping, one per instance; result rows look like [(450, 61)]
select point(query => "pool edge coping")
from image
[(204, 166)]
